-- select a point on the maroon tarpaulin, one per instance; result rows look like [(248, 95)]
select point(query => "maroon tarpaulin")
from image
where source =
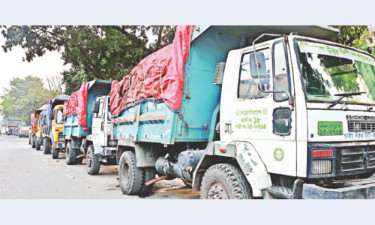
[(159, 76), (77, 104)]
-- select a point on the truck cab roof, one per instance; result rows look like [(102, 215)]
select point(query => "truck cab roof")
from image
[(246, 34)]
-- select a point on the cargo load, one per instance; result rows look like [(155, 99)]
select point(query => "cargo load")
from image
[(77, 104), (158, 77)]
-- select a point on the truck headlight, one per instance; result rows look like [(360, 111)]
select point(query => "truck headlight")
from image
[(322, 161), (321, 167)]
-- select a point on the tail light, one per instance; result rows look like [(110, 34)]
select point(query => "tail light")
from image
[(322, 153)]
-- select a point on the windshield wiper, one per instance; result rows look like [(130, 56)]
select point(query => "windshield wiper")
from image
[(343, 95)]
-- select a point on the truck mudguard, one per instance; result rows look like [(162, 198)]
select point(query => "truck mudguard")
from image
[(247, 158), (160, 76)]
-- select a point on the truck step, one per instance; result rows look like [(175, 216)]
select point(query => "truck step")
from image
[(281, 192)]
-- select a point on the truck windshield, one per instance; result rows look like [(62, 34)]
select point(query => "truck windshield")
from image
[(329, 71), (59, 116)]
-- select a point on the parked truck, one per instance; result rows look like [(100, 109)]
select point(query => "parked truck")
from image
[(23, 131), (35, 133), (248, 112), (52, 126), (78, 118)]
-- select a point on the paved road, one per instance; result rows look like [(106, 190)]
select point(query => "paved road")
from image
[(29, 174)]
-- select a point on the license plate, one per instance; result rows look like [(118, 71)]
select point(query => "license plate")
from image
[(330, 128)]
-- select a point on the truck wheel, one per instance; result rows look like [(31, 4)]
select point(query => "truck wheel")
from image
[(224, 181), (149, 174), (93, 163), (55, 153), (130, 177), (32, 142), (46, 146), (70, 155), (37, 144)]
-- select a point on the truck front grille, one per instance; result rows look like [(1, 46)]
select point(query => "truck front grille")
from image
[(361, 126), (355, 159)]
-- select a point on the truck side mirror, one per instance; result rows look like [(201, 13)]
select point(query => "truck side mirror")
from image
[(51, 117), (96, 107), (258, 65)]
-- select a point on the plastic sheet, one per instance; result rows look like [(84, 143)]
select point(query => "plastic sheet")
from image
[(159, 76), (77, 104)]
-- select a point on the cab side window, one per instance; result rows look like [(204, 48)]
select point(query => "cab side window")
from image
[(281, 82), (248, 83), (100, 113)]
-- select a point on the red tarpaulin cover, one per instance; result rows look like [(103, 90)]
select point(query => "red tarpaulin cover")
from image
[(77, 104), (159, 76), (32, 118)]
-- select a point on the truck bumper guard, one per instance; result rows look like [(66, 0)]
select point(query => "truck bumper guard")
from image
[(363, 189)]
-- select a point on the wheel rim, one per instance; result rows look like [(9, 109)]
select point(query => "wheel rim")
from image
[(218, 191), (125, 174)]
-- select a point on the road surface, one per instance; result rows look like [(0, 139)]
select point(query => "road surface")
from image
[(29, 174)]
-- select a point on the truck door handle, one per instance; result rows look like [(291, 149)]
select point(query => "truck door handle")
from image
[(228, 128), (102, 126)]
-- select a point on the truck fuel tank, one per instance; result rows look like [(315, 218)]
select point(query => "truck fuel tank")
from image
[(183, 168)]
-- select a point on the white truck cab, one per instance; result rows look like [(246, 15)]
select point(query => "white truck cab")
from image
[(99, 146), (299, 113)]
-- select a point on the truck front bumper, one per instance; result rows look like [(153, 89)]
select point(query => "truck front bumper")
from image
[(363, 189)]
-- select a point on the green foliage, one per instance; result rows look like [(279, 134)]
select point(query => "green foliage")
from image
[(23, 96), (95, 52), (356, 36)]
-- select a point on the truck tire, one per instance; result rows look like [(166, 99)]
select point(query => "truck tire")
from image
[(224, 181), (55, 153), (37, 144), (70, 155), (46, 146), (33, 142), (149, 174), (131, 177), (93, 163)]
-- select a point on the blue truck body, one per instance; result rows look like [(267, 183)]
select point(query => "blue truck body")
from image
[(45, 122), (196, 120), (200, 108), (72, 129)]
